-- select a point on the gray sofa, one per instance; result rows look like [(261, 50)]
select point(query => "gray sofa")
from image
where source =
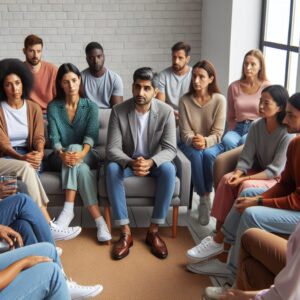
[(139, 191)]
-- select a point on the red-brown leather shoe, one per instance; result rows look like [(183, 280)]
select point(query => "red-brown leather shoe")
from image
[(158, 246), (121, 247)]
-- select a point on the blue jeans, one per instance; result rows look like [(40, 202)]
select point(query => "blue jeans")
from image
[(237, 136), (42, 281), (23, 215), (202, 162), (270, 219), (165, 179)]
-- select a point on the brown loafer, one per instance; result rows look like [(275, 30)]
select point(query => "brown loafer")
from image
[(121, 247), (158, 246)]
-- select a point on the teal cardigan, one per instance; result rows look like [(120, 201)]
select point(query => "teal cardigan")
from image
[(83, 130)]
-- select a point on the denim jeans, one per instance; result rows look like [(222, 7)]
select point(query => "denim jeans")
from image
[(165, 185), (202, 162), (237, 136), (23, 215), (42, 281), (270, 219)]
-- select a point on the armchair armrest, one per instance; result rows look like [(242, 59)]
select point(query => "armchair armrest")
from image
[(225, 163), (184, 171)]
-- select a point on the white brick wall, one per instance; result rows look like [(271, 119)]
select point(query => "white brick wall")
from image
[(134, 33)]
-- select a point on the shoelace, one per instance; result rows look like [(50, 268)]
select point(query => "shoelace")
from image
[(204, 244)]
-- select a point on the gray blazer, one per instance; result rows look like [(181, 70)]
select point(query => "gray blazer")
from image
[(122, 133)]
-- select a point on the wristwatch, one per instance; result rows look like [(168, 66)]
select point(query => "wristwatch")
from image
[(260, 201)]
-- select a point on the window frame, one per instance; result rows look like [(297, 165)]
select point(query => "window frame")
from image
[(286, 47)]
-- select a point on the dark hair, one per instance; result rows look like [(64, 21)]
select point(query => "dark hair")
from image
[(146, 73), (62, 70), (92, 46), (32, 40), (294, 100), (15, 66), (182, 46), (211, 71), (280, 96), (257, 54)]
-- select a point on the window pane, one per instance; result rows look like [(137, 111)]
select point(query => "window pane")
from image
[(277, 21), (296, 24), (275, 64), (292, 76)]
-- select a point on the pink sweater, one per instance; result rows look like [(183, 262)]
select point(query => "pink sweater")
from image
[(242, 106)]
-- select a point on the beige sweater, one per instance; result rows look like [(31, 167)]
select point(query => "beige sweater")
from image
[(207, 120)]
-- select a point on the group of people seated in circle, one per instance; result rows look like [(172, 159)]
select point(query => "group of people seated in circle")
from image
[(142, 140)]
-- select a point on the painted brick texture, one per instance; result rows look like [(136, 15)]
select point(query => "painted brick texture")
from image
[(134, 33)]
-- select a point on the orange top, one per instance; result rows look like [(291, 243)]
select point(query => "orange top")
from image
[(44, 85), (286, 193)]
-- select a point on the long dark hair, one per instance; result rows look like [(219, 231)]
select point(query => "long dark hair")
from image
[(62, 70), (280, 96)]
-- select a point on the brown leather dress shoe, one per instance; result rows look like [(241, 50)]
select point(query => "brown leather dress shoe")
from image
[(121, 247), (158, 246)]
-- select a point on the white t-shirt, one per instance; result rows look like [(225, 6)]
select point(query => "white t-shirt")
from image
[(17, 124), (142, 145)]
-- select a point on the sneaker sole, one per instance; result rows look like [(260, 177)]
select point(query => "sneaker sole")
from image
[(69, 237), (195, 260), (191, 269), (92, 294)]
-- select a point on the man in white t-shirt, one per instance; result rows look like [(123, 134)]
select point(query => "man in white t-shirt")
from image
[(98, 83), (175, 81), (141, 141)]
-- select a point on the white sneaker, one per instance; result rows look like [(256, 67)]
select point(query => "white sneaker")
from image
[(213, 292), (212, 267), (206, 249), (59, 251), (60, 234), (64, 219), (103, 233), (204, 210), (80, 292)]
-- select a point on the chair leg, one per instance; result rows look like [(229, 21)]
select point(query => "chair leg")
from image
[(175, 221), (107, 218), (191, 196)]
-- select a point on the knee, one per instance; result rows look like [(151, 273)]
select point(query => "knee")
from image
[(83, 168), (75, 148), (168, 169), (248, 192), (209, 155), (249, 216), (113, 168)]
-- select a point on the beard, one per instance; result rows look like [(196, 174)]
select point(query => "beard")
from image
[(34, 61)]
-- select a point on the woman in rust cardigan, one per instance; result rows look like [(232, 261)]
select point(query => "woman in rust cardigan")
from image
[(21, 120)]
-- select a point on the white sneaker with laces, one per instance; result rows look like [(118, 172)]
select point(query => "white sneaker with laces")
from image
[(206, 249), (103, 233), (60, 234), (59, 251), (80, 292), (212, 267), (65, 218)]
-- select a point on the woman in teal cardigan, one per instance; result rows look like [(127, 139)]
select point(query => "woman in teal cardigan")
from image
[(73, 130)]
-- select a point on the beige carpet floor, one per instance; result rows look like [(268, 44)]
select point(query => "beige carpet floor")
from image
[(138, 276)]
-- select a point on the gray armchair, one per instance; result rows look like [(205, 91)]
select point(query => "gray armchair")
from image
[(139, 191)]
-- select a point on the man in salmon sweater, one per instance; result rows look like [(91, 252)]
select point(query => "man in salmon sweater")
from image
[(44, 73), (275, 210)]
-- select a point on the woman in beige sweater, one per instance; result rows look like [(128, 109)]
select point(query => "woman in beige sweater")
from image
[(202, 121)]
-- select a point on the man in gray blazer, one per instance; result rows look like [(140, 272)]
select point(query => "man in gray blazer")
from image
[(141, 142)]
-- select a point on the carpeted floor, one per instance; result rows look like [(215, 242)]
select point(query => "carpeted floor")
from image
[(138, 276)]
